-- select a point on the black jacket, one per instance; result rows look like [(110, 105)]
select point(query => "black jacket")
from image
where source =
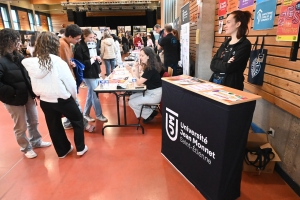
[(125, 40), (14, 82), (82, 54), (234, 72)]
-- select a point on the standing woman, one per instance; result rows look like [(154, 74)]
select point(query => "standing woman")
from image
[(230, 61), (108, 52), (91, 74), (53, 81), (30, 47), (152, 79), (17, 95), (118, 51)]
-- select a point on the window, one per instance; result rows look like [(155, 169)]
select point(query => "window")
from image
[(15, 19), (5, 17), (37, 19), (50, 24), (170, 11), (31, 21)]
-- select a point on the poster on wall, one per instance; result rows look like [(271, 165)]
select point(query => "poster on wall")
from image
[(136, 29), (143, 29), (149, 30), (121, 29), (113, 31), (264, 15), (232, 6), (288, 22), (185, 38), (222, 8), (245, 3), (128, 29)]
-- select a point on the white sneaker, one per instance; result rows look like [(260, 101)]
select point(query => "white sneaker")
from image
[(43, 144), (87, 117), (102, 118), (80, 153), (71, 149), (30, 154)]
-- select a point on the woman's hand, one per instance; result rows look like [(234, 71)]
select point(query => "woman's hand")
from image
[(231, 59), (98, 58)]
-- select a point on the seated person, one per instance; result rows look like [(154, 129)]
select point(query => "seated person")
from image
[(152, 79)]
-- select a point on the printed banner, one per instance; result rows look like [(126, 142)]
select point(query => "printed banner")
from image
[(232, 6), (245, 3), (185, 38), (264, 15), (197, 147), (288, 22), (222, 8)]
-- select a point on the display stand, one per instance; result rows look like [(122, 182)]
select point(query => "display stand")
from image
[(204, 136)]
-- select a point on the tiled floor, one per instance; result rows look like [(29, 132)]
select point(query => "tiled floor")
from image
[(123, 164)]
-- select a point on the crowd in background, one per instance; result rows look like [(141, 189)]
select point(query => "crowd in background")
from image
[(55, 65)]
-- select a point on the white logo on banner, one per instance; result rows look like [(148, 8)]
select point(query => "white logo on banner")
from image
[(255, 67), (259, 15), (171, 124)]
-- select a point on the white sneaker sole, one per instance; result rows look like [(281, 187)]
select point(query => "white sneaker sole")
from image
[(80, 153), (89, 119)]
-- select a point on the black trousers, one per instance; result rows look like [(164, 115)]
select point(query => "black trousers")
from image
[(53, 113)]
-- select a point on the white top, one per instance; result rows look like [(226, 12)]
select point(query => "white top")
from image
[(30, 49), (54, 84), (118, 53)]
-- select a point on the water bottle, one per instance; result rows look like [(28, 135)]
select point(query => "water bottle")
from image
[(106, 83), (101, 82), (134, 81)]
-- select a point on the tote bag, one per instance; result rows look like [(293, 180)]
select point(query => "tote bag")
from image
[(257, 63)]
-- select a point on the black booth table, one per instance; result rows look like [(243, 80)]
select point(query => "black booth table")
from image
[(204, 134)]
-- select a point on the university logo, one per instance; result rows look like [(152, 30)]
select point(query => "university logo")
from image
[(171, 124), (259, 13)]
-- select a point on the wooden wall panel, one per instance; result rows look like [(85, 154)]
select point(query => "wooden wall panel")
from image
[(24, 21), (1, 23), (59, 21), (281, 85)]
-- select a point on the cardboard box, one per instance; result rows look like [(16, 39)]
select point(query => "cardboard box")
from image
[(256, 140)]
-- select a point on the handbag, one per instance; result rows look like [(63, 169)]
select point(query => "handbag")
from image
[(264, 156), (257, 63)]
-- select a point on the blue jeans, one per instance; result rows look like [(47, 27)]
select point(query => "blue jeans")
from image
[(110, 64), (91, 98), (173, 66)]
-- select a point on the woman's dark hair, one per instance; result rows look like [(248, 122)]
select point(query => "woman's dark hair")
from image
[(47, 43), (244, 17), (9, 39), (152, 62), (115, 38), (162, 67), (32, 40)]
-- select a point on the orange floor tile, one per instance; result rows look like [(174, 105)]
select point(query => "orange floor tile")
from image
[(123, 164)]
